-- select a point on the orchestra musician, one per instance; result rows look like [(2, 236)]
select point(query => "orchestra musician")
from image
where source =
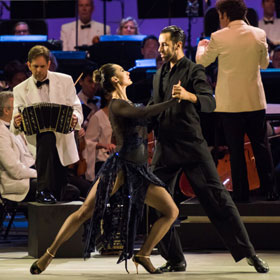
[(54, 151)]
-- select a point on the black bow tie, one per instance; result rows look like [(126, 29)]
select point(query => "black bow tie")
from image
[(39, 84), (85, 26), (94, 101), (8, 126), (268, 21)]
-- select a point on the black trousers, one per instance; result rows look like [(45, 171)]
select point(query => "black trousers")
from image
[(51, 174), (235, 126), (218, 206)]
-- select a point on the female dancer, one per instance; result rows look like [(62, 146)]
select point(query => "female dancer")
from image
[(124, 182)]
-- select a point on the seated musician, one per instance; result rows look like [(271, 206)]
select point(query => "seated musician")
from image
[(17, 178), (54, 151), (88, 94)]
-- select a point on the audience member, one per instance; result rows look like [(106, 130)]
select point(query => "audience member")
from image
[(87, 95), (98, 138), (88, 30), (18, 179), (15, 72), (21, 28), (54, 151), (128, 26), (269, 23)]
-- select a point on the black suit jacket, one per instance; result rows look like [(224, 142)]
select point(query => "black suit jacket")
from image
[(179, 135)]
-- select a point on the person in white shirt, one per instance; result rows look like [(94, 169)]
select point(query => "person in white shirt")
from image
[(242, 51), (17, 178), (88, 30), (98, 138), (269, 23), (54, 150)]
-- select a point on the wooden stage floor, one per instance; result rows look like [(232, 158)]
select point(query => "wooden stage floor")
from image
[(203, 265)]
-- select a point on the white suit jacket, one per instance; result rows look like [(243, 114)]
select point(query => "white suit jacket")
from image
[(272, 30), (61, 91), (241, 51), (14, 174), (85, 36)]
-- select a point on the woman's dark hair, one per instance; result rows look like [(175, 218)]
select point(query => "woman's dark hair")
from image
[(234, 9), (103, 76)]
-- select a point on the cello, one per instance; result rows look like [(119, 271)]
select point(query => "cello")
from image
[(224, 171)]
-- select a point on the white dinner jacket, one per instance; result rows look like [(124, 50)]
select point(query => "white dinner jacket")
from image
[(241, 51), (14, 174), (61, 91), (85, 36)]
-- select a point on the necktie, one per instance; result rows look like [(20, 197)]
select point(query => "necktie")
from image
[(268, 21), (85, 26), (39, 84)]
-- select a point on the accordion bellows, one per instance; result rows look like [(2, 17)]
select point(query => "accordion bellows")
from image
[(42, 117)]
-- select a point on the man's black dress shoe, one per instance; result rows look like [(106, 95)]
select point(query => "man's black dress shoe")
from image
[(168, 267), (45, 197), (260, 265)]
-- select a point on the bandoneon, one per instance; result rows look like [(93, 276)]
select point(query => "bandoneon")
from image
[(42, 117)]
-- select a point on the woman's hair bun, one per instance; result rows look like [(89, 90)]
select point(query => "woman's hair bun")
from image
[(97, 76)]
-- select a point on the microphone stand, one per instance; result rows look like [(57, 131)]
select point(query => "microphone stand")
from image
[(190, 17), (189, 46), (105, 15), (77, 24)]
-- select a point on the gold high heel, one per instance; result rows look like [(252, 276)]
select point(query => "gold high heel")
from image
[(146, 263), (35, 269)]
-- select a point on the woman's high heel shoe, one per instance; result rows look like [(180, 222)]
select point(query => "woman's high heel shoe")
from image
[(146, 263), (35, 269)]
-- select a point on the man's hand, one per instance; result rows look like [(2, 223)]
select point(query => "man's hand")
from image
[(110, 148), (203, 43), (74, 121), (181, 93), (81, 133), (17, 120)]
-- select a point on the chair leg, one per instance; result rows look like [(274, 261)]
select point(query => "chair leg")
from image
[(13, 213), (3, 213)]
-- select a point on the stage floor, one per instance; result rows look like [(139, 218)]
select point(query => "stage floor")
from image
[(207, 265)]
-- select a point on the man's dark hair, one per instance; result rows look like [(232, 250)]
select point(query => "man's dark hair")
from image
[(88, 70), (38, 50), (149, 37), (234, 9), (176, 34)]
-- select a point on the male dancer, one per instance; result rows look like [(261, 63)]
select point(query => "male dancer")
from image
[(181, 146)]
